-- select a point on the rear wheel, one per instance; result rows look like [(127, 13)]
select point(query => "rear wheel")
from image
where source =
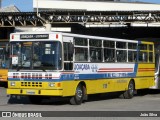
[(79, 95), (128, 94)]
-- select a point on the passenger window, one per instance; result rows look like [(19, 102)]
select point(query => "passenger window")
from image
[(95, 43), (132, 56), (132, 45), (121, 45), (109, 55), (150, 47), (143, 57), (143, 47), (81, 54), (95, 54), (81, 41), (150, 56), (109, 44), (95, 50), (121, 55), (68, 66)]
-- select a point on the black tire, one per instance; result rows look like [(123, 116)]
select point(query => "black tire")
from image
[(128, 94), (35, 99), (78, 98)]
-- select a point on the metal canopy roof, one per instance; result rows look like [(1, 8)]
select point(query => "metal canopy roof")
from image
[(13, 19)]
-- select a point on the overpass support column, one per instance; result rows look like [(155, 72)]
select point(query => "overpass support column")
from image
[(48, 27)]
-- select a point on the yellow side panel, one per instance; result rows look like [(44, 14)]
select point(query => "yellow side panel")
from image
[(96, 86), (145, 76), (69, 87), (145, 70), (3, 75), (106, 85), (144, 82)]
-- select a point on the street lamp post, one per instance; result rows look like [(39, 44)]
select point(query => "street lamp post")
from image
[(37, 7)]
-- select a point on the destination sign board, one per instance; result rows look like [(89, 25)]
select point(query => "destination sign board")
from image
[(34, 36)]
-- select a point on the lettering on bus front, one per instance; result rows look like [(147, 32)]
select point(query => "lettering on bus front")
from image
[(34, 36)]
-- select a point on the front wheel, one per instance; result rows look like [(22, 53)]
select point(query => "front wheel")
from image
[(79, 95), (128, 94)]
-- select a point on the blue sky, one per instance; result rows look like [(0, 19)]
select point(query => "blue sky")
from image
[(26, 5), (152, 1)]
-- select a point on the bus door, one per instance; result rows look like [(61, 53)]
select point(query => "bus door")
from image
[(68, 49)]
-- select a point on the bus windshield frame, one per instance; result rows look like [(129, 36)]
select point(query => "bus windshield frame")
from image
[(36, 55)]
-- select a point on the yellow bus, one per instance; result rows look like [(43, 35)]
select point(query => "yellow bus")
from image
[(54, 64), (4, 62)]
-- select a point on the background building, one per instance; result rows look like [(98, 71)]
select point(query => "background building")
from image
[(93, 5)]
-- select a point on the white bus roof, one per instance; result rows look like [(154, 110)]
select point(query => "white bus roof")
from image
[(72, 35)]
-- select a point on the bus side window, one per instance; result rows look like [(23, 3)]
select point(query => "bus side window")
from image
[(109, 55), (132, 56), (68, 66), (81, 54), (151, 57), (96, 50), (143, 53), (121, 55), (68, 58), (95, 54), (143, 57), (151, 54)]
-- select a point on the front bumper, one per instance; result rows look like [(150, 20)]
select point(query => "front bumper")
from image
[(57, 92)]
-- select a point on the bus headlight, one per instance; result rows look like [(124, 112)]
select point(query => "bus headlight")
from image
[(12, 84), (51, 84)]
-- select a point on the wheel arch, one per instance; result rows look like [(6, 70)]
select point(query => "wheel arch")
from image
[(133, 82), (83, 84), (80, 94)]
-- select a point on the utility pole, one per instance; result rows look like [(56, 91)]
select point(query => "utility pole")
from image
[(37, 7)]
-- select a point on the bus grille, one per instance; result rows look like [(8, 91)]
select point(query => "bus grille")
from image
[(31, 84)]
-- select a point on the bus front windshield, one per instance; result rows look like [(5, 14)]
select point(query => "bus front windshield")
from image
[(36, 55)]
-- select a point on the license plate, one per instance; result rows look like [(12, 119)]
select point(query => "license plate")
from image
[(31, 92)]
